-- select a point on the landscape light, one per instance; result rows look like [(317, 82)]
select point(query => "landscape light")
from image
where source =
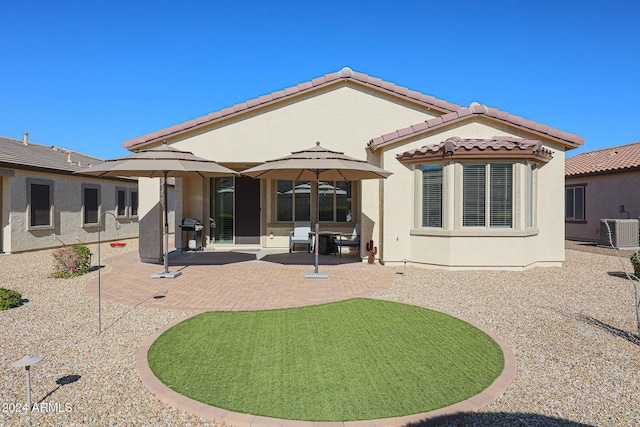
[(26, 362)]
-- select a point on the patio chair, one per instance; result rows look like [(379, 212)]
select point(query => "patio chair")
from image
[(349, 240), (301, 234)]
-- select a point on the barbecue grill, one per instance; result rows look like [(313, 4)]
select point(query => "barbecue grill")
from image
[(193, 227)]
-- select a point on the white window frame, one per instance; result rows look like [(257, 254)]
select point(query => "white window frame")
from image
[(488, 193), (429, 168)]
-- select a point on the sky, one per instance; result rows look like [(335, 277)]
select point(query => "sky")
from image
[(89, 75)]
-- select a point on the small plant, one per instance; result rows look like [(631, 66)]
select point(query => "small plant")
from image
[(71, 261), (635, 260), (9, 299)]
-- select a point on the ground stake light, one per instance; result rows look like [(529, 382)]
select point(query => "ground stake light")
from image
[(26, 362)]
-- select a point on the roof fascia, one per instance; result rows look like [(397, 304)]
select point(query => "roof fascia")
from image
[(488, 154), (14, 166), (334, 79), (422, 129)]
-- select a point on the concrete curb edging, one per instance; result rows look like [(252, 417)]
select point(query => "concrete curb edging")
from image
[(229, 418)]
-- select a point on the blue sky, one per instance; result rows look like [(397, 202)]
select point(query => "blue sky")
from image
[(89, 75)]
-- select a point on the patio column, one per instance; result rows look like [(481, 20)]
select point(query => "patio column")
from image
[(150, 224)]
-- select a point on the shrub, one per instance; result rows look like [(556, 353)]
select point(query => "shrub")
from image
[(9, 299), (71, 261), (635, 260)]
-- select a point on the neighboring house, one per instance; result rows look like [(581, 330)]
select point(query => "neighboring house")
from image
[(601, 184), (472, 187), (43, 204)]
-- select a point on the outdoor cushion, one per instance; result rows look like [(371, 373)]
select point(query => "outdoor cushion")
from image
[(349, 240), (301, 234)]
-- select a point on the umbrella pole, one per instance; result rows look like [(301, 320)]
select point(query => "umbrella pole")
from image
[(166, 273), (316, 274)]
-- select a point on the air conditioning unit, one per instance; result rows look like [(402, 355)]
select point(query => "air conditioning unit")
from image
[(624, 233)]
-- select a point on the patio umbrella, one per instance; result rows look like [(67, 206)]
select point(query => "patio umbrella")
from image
[(162, 161), (317, 164)]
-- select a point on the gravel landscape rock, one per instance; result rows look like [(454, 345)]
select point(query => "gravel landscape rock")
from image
[(573, 331)]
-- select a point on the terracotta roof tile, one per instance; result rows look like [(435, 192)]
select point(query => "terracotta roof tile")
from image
[(403, 132), (240, 107), (418, 127), (570, 140), (608, 160), (498, 146), (279, 94), (344, 74), (449, 116), (256, 101), (390, 136), (318, 81)]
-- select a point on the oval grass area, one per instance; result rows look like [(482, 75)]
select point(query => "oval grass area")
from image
[(359, 359)]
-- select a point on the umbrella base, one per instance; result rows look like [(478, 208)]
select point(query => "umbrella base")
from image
[(314, 275), (168, 275)]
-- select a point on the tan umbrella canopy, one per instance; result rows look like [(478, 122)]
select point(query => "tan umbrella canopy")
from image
[(317, 164), (162, 161)]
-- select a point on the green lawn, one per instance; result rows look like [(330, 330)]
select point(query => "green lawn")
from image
[(350, 360)]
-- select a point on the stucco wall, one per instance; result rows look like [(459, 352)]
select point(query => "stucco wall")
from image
[(67, 213), (341, 118), (603, 196), (344, 118), (457, 247)]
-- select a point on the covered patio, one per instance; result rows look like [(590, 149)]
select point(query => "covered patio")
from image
[(238, 280)]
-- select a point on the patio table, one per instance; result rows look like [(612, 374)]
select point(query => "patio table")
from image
[(326, 240)]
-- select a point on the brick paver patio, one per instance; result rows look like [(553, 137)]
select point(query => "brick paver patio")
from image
[(241, 281), (237, 281)]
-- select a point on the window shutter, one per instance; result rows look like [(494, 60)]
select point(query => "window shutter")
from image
[(432, 196), (500, 190), (473, 196)]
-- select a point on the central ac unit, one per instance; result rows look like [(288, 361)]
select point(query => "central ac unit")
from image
[(624, 233)]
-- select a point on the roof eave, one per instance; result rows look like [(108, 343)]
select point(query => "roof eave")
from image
[(604, 172), (426, 127), (515, 154), (344, 77)]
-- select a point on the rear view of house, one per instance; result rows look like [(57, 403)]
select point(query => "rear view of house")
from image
[(472, 187)]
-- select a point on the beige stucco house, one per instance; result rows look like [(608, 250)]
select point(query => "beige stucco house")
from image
[(472, 187), (44, 205), (601, 184)]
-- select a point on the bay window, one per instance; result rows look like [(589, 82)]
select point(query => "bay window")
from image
[(432, 196), (487, 192)]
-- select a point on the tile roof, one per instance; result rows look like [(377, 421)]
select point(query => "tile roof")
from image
[(476, 110), (498, 146), (16, 154), (346, 74), (608, 160)]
